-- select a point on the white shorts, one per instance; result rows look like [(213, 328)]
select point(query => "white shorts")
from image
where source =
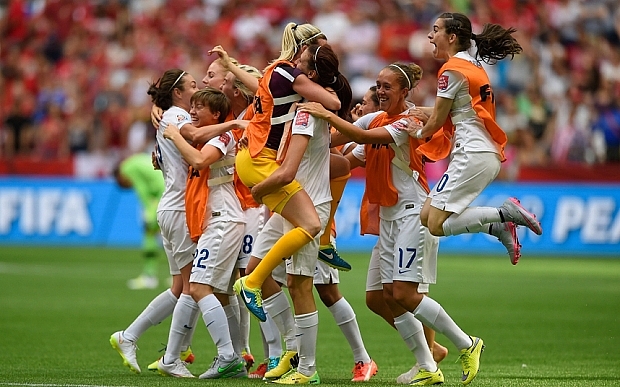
[(325, 274), (216, 255), (255, 219), (304, 262), (176, 240), (403, 251), (373, 278), (468, 174)]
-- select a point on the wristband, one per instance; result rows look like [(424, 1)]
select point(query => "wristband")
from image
[(418, 134)]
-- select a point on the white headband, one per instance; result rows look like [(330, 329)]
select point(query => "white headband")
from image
[(175, 82), (303, 41), (404, 73)]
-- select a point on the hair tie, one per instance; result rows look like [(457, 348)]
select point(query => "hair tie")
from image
[(473, 36), (294, 27), (404, 73), (335, 80)]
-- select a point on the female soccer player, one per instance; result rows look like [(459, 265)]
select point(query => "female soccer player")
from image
[(281, 86), (408, 253), (465, 107), (307, 160), (214, 212), (171, 93)]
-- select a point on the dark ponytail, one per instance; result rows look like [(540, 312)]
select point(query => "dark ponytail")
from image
[(161, 90), (493, 44), (325, 62)]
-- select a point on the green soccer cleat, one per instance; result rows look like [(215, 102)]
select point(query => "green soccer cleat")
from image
[(295, 377), (427, 378), (222, 369), (330, 256), (252, 298), (470, 360)]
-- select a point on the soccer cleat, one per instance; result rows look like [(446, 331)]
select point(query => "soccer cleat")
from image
[(408, 376), (143, 282), (330, 256), (427, 378), (127, 350), (259, 372), (248, 358), (287, 362), (470, 360), (222, 369), (178, 369), (272, 362), (252, 298), (295, 377), (362, 372), (507, 234), (187, 356), (513, 211)]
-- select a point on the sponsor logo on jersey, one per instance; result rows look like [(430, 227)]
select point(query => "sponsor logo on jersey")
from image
[(225, 138), (302, 119), (442, 82)]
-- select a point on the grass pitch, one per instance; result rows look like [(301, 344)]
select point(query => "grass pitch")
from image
[(545, 322)]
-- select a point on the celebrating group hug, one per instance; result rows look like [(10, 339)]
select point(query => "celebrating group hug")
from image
[(254, 166)]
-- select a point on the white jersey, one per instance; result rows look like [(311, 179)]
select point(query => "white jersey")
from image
[(313, 171), (223, 203), (172, 164), (470, 133), (411, 194)]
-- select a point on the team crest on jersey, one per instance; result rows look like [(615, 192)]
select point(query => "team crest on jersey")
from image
[(225, 138), (399, 125), (302, 119), (442, 82), (180, 117)]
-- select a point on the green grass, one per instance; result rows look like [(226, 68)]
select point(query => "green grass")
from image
[(546, 322)]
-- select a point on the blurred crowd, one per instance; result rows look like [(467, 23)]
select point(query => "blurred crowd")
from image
[(74, 73)]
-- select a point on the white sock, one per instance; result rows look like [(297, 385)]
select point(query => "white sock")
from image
[(187, 340), (182, 317), (412, 332), (271, 337), (471, 221), (155, 312), (233, 326), (307, 330), (217, 324), (278, 307), (244, 325), (345, 318), (434, 316)]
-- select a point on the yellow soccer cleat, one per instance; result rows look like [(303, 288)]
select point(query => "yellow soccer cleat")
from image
[(470, 360), (427, 378), (287, 362), (295, 377)]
